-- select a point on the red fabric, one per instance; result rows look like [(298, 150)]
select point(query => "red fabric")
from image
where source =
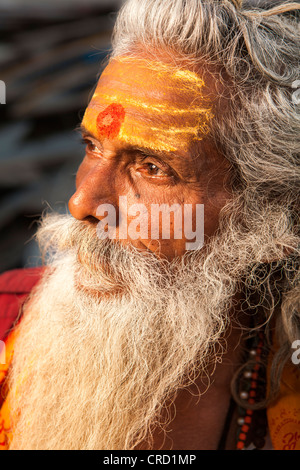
[(15, 286)]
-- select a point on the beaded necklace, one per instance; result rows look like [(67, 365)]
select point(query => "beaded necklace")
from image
[(252, 424)]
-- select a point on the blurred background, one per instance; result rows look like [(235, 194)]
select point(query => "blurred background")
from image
[(51, 54)]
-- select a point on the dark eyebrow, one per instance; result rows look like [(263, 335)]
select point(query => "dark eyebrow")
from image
[(83, 131), (132, 148)]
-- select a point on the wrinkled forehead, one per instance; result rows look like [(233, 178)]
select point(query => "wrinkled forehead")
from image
[(150, 81), (138, 98)]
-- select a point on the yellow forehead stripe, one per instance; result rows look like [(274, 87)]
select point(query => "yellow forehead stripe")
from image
[(162, 70), (155, 108), (148, 81)]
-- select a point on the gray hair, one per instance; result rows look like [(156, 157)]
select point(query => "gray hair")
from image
[(257, 49)]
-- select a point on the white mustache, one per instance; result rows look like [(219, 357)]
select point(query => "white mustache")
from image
[(116, 264)]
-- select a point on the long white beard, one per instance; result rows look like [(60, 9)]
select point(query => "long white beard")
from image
[(106, 341)]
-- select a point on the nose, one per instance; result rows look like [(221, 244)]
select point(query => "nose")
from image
[(94, 186)]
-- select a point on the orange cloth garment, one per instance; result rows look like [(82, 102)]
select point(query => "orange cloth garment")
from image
[(284, 414), (5, 433)]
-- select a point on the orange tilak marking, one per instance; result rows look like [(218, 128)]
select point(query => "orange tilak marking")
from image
[(110, 120)]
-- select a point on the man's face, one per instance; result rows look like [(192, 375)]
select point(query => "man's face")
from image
[(146, 130)]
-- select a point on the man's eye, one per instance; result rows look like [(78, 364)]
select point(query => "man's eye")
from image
[(154, 170), (90, 146)]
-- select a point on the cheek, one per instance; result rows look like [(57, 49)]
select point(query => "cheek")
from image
[(212, 208), (151, 193)]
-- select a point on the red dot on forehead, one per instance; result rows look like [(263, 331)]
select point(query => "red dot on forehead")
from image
[(110, 120)]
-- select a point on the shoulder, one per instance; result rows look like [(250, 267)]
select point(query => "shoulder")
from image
[(19, 281), (15, 285)]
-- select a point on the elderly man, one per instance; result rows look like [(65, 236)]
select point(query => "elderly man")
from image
[(151, 332)]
